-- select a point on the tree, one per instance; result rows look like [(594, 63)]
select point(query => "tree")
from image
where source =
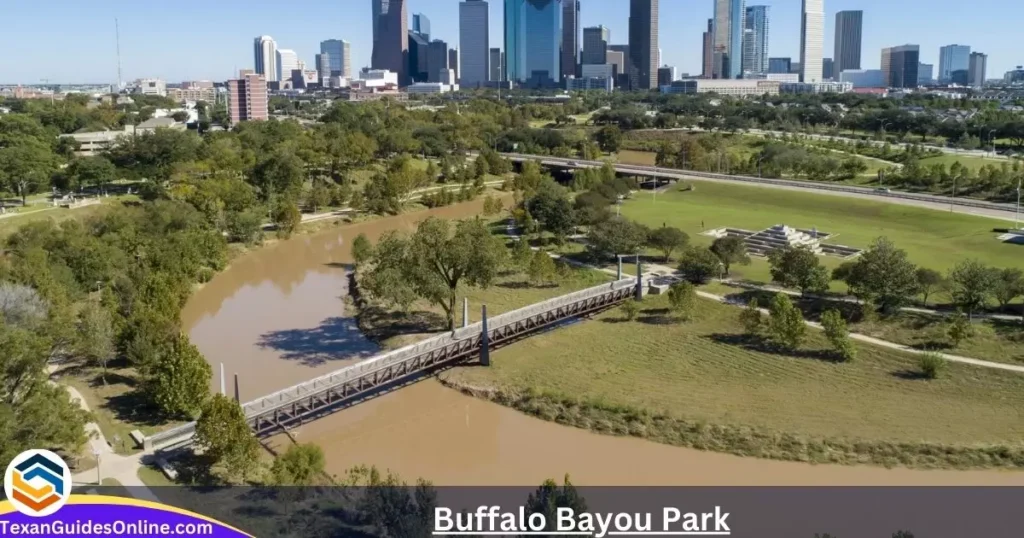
[(21, 306), (884, 275), (287, 218), (180, 381), (549, 498), (798, 268), (96, 336), (319, 196), (434, 261), (838, 334), (92, 172), (542, 268), (609, 138), (300, 465), (960, 329), (699, 265), (730, 249), (786, 326), (521, 254), (26, 167), (362, 249), (550, 206), (492, 206), (928, 280), (616, 236), (1008, 284), (682, 298), (750, 318), (224, 436), (280, 173), (245, 226), (630, 308), (971, 284), (668, 240)]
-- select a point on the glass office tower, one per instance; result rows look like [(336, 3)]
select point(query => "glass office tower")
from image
[(533, 37)]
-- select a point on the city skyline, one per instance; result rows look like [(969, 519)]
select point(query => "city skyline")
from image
[(682, 48)]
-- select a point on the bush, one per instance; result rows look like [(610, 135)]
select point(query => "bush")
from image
[(786, 326), (931, 364), (838, 335), (630, 309), (960, 329), (682, 298), (700, 265), (750, 317)]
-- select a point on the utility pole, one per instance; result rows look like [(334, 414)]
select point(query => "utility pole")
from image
[(117, 36), (1016, 215)]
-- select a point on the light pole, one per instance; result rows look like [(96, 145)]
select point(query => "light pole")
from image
[(954, 195), (759, 159), (1016, 215), (992, 139)]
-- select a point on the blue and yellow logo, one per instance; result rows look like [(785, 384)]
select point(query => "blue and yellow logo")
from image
[(37, 483)]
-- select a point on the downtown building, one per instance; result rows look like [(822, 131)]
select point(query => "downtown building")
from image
[(265, 57), (954, 64), (849, 31), (475, 45), (727, 31), (533, 42), (755, 40), (570, 38), (247, 98), (339, 57), (643, 44), (812, 40), (976, 70), (900, 66), (391, 38), (708, 57)]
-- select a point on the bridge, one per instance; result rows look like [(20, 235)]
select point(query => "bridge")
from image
[(674, 174), (388, 371)]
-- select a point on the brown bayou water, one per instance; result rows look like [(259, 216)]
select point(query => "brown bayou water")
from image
[(276, 317)]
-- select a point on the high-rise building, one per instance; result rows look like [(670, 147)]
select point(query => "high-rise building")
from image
[(849, 27), (496, 60), (748, 52), (570, 38), (812, 40), (287, 61), (709, 45), (437, 60), (533, 40), (247, 98), (643, 43), (340, 52), (666, 74), (616, 59), (421, 25), (475, 44), (265, 57), (976, 71), (418, 70), (954, 64), (595, 45), (780, 65), (454, 64), (728, 38), (755, 60), (323, 65), (391, 38), (900, 65), (924, 74), (827, 69)]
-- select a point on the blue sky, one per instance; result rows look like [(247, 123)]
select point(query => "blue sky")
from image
[(73, 40)]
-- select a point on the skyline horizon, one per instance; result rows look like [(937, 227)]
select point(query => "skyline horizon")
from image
[(681, 50)]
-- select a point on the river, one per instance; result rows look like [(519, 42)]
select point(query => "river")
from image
[(276, 317)]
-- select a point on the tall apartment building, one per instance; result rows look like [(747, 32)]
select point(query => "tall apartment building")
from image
[(976, 70), (727, 33), (849, 29), (708, 52), (570, 38), (812, 40), (900, 66), (474, 44), (265, 57), (247, 98), (954, 64), (340, 56), (595, 45), (643, 43), (391, 38), (755, 59)]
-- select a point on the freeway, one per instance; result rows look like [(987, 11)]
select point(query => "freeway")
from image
[(932, 201)]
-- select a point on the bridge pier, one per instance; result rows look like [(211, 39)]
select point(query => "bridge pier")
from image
[(639, 294), (237, 397), (485, 344), (223, 381), (465, 312), (620, 268)]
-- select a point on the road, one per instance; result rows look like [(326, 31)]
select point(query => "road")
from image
[(931, 201)]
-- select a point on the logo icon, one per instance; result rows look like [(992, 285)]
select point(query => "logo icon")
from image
[(37, 482)]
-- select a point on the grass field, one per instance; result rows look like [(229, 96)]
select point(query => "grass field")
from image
[(703, 384), (970, 161)]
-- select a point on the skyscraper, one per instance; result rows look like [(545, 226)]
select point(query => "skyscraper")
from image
[(728, 38), (616, 59), (340, 54), (849, 27), (265, 57), (418, 69), (827, 69), (391, 38), (421, 25), (495, 64), (453, 62), (595, 45), (247, 98), (757, 23), (666, 74), (533, 42), (812, 40), (976, 71), (954, 64), (780, 65), (437, 60), (643, 43), (900, 66), (924, 74), (475, 44), (287, 61), (709, 45), (570, 38)]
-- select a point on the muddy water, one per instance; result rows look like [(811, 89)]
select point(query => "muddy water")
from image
[(276, 317)]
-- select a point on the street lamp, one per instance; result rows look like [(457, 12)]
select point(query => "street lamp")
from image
[(1016, 215), (992, 139), (759, 159)]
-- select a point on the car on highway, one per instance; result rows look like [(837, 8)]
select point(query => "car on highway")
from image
[(573, 163), (886, 190)]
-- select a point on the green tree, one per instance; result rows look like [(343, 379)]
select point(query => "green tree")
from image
[(928, 280), (667, 240), (609, 138), (319, 196), (682, 299), (798, 268), (751, 319), (225, 438), (786, 326), (92, 172), (492, 206), (26, 167), (616, 236), (960, 329), (300, 465), (883, 274), (699, 265), (180, 380), (1007, 285), (550, 206), (542, 268), (287, 218), (245, 226), (96, 336), (730, 249), (362, 249), (481, 168), (549, 497), (521, 254), (280, 173), (971, 285), (838, 334), (434, 261), (630, 308)]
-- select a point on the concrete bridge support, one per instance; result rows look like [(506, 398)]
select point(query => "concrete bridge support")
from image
[(485, 344), (237, 397), (465, 312), (639, 293), (620, 268)]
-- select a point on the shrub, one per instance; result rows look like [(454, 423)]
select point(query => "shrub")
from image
[(931, 364), (960, 329), (750, 317), (838, 334), (786, 326), (630, 309), (682, 298)]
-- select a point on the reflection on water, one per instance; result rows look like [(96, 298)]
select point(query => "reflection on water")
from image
[(276, 317)]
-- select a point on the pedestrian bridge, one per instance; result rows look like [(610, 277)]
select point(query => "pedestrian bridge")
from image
[(330, 392)]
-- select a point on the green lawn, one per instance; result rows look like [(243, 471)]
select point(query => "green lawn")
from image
[(703, 384), (970, 161)]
